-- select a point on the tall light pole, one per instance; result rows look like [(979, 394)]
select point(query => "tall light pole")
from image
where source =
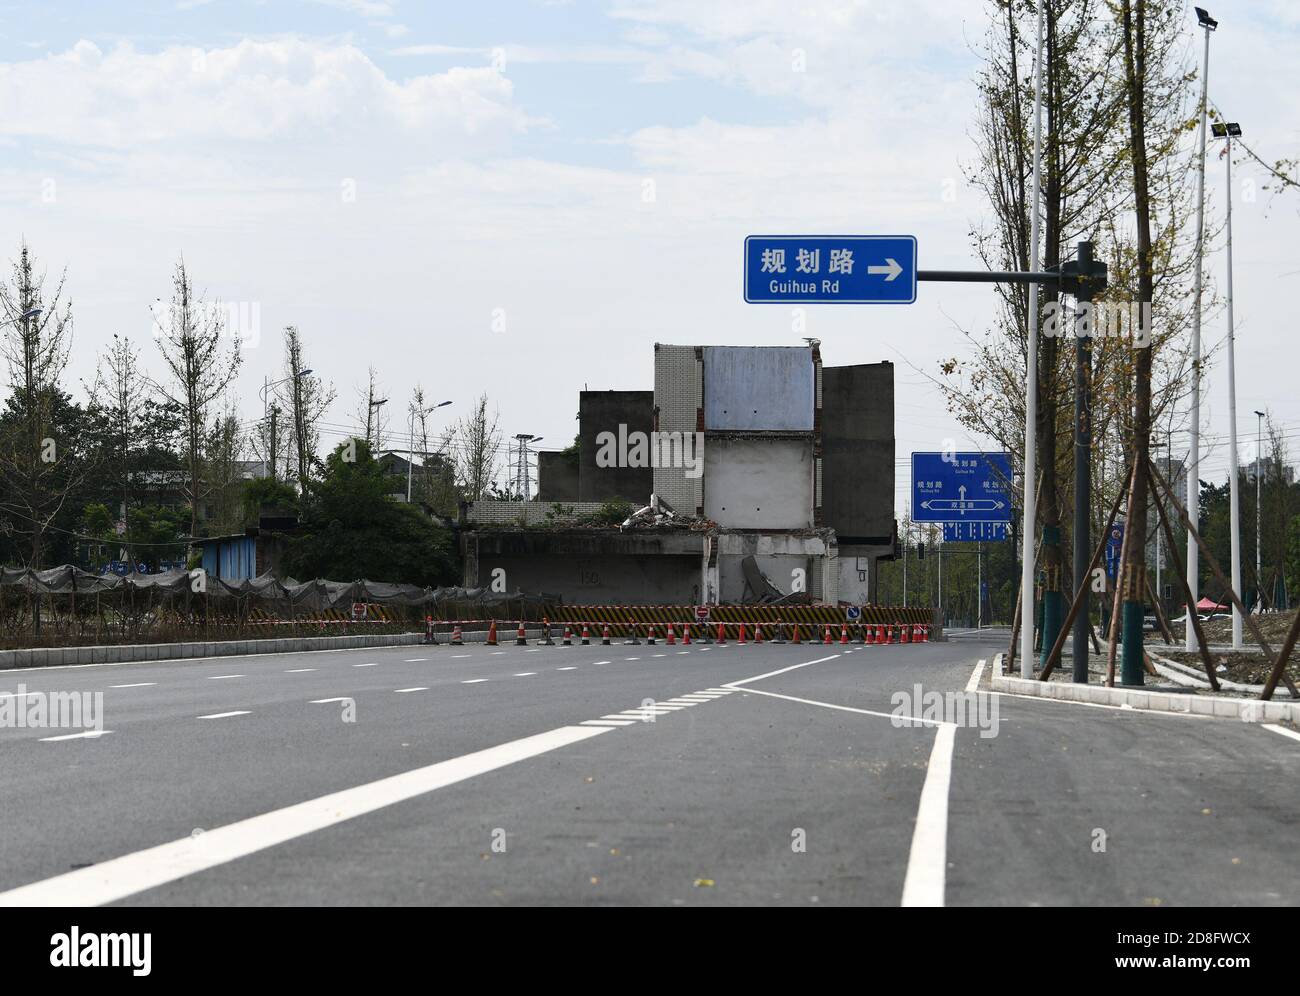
[(410, 455), (264, 393), (1030, 501), (1259, 516), (1229, 130), (1194, 428)]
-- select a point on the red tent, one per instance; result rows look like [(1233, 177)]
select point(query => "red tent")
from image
[(1205, 605)]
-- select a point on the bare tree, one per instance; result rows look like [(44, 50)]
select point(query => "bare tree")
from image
[(35, 466), (306, 400), (370, 412), (198, 373), (478, 449), (117, 398)]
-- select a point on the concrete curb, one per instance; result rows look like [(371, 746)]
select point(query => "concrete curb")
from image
[(141, 652), (1246, 710)]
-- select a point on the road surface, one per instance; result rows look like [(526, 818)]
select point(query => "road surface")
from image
[(629, 775)]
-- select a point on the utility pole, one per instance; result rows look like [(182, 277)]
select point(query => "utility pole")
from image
[(1229, 130), (1259, 516), (906, 532), (1031, 383), (1194, 428)]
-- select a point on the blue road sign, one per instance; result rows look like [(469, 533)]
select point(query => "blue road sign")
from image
[(961, 487), (974, 532), (1114, 544), (830, 269)]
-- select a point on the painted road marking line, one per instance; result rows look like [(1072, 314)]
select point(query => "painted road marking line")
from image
[(1282, 730), (974, 682), (727, 691), (525, 674), (731, 685), (112, 880), (87, 735), (341, 698), (631, 658), (219, 677), (372, 664), (473, 681), (136, 684), (608, 722), (414, 660), (497, 653), (14, 695), (927, 862), (299, 670), (418, 688), (1177, 714), (680, 652), (457, 657), (901, 720), (599, 662), (616, 715), (658, 655), (566, 669), (225, 715)]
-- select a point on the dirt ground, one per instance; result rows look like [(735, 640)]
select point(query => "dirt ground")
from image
[(1249, 666)]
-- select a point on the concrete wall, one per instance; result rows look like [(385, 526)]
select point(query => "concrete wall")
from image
[(677, 401), (857, 570), (858, 452), (557, 477), (754, 483), (777, 556), (605, 411), (758, 388)]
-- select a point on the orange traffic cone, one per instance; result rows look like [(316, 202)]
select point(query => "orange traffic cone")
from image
[(722, 634), (568, 635), (844, 634), (586, 635), (672, 637), (492, 633), (795, 638), (686, 633), (650, 635), (456, 640), (826, 637), (521, 639), (758, 632), (604, 636)]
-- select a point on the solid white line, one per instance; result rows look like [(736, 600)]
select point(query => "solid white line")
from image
[(323, 701), (608, 722), (112, 880), (418, 688), (927, 863), (299, 670), (771, 674), (974, 681), (224, 715), (907, 721), (138, 684), (219, 677), (473, 681), (87, 735), (1282, 730), (525, 674)]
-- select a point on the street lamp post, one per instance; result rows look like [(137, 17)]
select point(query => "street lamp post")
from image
[(1259, 516), (1194, 427), (1229, 130), (410, 455)]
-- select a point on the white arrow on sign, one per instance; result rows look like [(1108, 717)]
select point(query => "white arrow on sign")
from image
[(891, 268)]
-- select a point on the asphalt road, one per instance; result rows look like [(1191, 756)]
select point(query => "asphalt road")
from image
[(630, 775)]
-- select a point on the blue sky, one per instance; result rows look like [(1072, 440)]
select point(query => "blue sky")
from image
[(394, 177)]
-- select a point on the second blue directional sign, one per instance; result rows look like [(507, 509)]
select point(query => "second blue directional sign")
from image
[(961, 487), (830, 269)]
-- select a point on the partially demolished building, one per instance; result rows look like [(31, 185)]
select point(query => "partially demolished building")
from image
[(752, 475)]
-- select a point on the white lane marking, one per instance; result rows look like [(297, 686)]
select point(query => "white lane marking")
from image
[(497, 653), (927, 863), (136, 684), (414, 660), (417, 688), (902, 720), (680, 652), (457, 657), (15, 695), (974, 681), (87, 735), (599, 662), (372, 664), (299, 670), (631, 658), (219, 677), (1177, 714), (473, 681), (1282, 730), (531, 650), (658, 655), (225, 715), (525, 674), (112, 880), (566, 669), (771, 674), (608, 722), (323, 701)]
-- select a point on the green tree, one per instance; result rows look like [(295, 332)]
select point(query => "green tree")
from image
[(351, 529)]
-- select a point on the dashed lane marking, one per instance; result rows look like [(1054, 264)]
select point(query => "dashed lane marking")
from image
[(473, 681), (221, 677), (417, 688), (226, 715), (299, 670), (86, 735), (1274, 728), (135, 684)]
